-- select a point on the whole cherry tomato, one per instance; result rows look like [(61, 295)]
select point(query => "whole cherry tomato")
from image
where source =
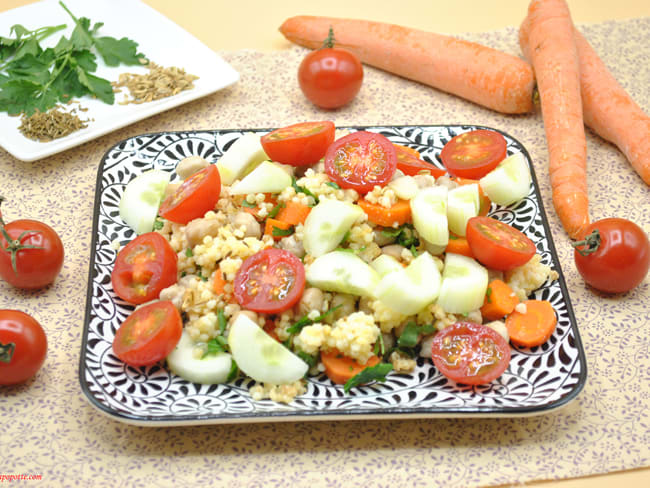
[(613, 256), (31, 253), (330, 77), (23, 347)]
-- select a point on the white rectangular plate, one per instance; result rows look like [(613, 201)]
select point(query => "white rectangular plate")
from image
[(162, 41), (537, 381)]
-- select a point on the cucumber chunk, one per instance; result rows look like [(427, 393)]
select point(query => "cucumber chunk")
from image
[(327, 224), (509, 182), (240, 158), (343, 272), (141, 199), (260, 356), (464, 284), (462, 204), (267, 177), (429, 211), (384, 264), (409, 290), (212, 369)]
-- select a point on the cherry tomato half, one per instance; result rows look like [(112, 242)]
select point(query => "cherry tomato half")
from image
[(330, 77), (498, 245), (614, 255), (198, 194), (270, 281), (473, 154), (410, 163), (468, 353), (361, 160), (301, 144), (149, 334), (23, 347), (31, 254), (143, 268)]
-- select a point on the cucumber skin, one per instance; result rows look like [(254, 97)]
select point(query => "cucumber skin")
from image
[(144, 192)]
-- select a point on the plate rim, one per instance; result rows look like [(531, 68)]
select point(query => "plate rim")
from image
[(320, 415)]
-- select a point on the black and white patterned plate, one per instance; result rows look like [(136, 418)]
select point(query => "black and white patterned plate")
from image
[(537, 380)]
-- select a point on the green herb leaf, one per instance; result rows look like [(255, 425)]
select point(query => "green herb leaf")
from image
[(308, 358), (300, 189), (277, 232), (275, 210), (215, 345), (333, 185), (222, 321), (158, 224), (247, 204), (188, 252), (305, 320), (371, 373), (409, 337)]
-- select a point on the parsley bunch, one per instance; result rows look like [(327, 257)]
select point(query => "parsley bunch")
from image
[(33, 78)]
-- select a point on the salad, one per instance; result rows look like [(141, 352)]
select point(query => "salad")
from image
[(310, 250)]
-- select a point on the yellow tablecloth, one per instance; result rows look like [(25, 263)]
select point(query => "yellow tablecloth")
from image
[(50, 429)]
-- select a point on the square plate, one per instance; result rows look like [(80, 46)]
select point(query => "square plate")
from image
[(162, 41), (537, 381)]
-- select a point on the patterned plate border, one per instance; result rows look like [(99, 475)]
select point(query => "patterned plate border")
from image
[(537, 381)]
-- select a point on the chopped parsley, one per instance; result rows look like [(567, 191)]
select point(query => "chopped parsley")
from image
[(371, 373)]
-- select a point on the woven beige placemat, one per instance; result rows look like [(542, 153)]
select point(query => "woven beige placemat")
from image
[(50, 429)]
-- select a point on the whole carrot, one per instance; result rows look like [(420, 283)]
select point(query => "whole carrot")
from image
[(546, 38), (610, 111), (483, 75), (606, 107)]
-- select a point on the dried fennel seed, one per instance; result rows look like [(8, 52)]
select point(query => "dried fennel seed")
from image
[(158, 83), (50, 125)]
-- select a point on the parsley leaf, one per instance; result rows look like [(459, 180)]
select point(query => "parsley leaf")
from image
[(404, 235), (371, 373), (305, 321), (277, 232), (301, 189)]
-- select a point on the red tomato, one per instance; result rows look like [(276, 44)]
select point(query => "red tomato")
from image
[(269, 281), (330, 77), (410, 163), (198, 194), (498, 245), (143, 268), (361, 160), (300, 144), (614, 255), (23, 347), (31, 254), (468, 353), (473, 154), (149, 334)]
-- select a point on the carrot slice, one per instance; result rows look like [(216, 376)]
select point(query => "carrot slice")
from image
[(340, 368), (219, 286), (294, 213), (486, 76), (399, 213), (500, 300), (534, 326), (275, 224), (459, 245), (269, 328)]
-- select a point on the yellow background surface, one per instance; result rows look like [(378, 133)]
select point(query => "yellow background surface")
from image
[(247, 24)]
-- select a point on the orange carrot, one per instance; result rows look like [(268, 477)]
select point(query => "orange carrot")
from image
[(219, 286), (275, 224), (400, 212), (478, 73), (535, 326), (547, 40), (611, 112), (293, 213), (340, 368), (269, 328), (458, 245), (410, 162), (500, 300)]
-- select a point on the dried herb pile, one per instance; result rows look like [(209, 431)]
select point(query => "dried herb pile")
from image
[(53, 124), (158, 83)]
